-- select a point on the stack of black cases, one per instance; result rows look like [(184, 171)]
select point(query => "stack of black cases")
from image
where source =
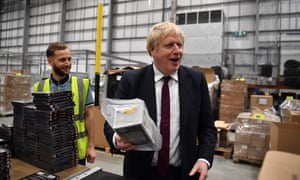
[(6, 137), (49, 132), (4, 163), (19, 128)]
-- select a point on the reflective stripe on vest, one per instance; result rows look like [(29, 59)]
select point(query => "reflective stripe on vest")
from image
[(79, 90)]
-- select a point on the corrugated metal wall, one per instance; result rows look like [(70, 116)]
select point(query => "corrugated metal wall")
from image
[(271, 32)]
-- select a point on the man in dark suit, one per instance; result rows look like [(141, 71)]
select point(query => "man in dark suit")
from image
[(192, 134)]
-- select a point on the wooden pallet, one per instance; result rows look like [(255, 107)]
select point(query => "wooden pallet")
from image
[(225, 152), (255, 162)]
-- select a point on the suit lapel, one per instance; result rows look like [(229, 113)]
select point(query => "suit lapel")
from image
[(183, 96), (148, 92)]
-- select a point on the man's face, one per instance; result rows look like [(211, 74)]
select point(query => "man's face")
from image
[(61, 62), (168, 53)]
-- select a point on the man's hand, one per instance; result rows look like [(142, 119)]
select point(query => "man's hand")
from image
[(202, 168), (91, 154), (123, 145)]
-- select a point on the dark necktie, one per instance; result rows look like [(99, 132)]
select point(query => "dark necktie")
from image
[(163, 156)]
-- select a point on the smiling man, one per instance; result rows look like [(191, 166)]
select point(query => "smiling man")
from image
[(60, 59), (191, 134)]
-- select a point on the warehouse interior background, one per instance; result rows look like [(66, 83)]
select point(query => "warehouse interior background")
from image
[(241, 36), (256, 41)]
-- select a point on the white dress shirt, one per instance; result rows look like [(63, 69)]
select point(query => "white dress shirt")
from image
[(174, 114), (174, 155)]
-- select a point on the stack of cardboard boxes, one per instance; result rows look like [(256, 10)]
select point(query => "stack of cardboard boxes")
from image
[(285, 135), (251, 141), (13, 87), (232, 100), (283, 159), (252, 137)]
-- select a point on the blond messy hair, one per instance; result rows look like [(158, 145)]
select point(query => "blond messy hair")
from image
[(160, 31)]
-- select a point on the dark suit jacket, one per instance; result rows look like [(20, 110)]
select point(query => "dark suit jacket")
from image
[(197, 130)]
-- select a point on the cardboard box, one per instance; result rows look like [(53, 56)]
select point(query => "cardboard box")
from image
[(208, 72), (295, 117), (285, 137), (234, 85), (228, 113), (290, 116), (261, 102), (100, 140), (250, 117), (252, 135), (256, 153), (260, 139), (243, 137), (249, 152), (240, 150), (233, 100), (280, 165)]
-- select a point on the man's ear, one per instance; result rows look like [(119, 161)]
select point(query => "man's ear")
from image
[(151, 50), (50, 60)]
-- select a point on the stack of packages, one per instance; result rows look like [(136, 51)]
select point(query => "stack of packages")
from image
[(4, 163), (6, 137), (285, 135), (19, 129), (13, 87), (252, 136), (232, 102), (49, 132), (290, 111), (233, 99), (251, 141)]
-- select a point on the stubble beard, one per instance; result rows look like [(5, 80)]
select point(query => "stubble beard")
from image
[(59, 72)]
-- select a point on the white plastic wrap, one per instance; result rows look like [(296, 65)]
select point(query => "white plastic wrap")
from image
[(131, 121)]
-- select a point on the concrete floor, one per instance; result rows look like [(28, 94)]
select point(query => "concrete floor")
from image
[(223, 169)]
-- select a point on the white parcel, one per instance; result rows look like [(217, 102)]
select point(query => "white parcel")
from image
[(131, 121)]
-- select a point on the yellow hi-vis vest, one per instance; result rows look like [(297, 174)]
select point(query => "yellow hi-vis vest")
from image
[(79, 90)]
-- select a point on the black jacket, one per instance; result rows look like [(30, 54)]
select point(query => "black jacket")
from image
[(197, 130)]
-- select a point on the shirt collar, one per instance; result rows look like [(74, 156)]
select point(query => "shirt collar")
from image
[(158, 75), (64, 80)]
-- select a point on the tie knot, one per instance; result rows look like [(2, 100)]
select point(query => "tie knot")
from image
[(166, 78)]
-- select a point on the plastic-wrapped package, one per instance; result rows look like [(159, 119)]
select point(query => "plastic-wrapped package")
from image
[(131, 121)]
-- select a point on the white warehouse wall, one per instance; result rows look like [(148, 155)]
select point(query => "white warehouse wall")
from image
[(133, 19)]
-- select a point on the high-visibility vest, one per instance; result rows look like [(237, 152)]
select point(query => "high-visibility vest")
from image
[(79, 89)]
